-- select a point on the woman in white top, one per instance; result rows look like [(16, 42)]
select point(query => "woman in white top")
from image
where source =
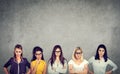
[(100, 61), (78, 65), (57, 64)]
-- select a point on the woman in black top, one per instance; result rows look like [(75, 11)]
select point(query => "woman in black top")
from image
[(17, 62)]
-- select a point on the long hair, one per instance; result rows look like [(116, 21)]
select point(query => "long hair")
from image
[(53, 56), (105, 56), (35, 49), (73, 55), (19, 47)]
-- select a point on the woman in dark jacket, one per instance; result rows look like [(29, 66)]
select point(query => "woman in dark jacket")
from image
[(17, 62)]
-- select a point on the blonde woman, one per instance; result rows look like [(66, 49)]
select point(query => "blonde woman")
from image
[(78, 65)]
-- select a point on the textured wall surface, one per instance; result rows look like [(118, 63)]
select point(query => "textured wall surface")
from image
[(70, 23)]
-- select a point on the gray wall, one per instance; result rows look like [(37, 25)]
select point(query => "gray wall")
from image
[(70, 23)]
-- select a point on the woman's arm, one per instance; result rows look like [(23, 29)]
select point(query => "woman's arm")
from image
[(6, 70), (109, 72), (8, 63), (71, 70), (63, 69), (90, 65), (34, 68), (51, 69), (28, 72), (85, 70), (28, 65), (45, 68), (90, 72), (111, 63)]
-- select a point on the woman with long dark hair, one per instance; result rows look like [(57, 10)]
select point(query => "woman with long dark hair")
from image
[(100, 61), (57, 62), (18, 63), (38, 65)]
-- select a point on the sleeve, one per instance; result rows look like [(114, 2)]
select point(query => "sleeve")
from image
[(86, 62), (91, 60), (63, 69), (50, 69), (70, 62), (27, 63), (31, 64), (8, 63), (111, 63)]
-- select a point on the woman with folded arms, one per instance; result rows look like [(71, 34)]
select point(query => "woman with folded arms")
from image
[(57, 64), (78, 65)]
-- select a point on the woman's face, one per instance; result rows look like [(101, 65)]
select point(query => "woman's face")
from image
[(101, 52), (78, 54), (38, 55), (57, 52), (18, 52)]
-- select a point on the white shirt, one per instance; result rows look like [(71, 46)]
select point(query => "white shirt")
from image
[(77, 67), (99, 66), (58, 68)]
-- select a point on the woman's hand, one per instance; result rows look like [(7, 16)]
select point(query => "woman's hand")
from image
[(90, 72), (54, 69), (109, 72), (37, 62)]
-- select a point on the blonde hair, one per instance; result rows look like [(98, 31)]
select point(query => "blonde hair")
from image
[(73, 55)]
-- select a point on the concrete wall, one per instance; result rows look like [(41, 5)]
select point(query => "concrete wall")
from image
[(70, 23)]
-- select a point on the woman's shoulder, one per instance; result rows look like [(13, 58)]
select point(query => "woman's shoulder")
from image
[(65, 60), (43, 61), (33, 62), (85, 61), (92, 58), (71, 62), (24, 58), (11, 59), (109, 60)]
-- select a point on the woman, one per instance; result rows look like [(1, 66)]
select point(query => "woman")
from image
[(57, 63), (38, 65), (100, 61), (17, 62), (78, 65)]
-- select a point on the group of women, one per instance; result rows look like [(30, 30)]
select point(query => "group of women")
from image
[(58, 64)]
